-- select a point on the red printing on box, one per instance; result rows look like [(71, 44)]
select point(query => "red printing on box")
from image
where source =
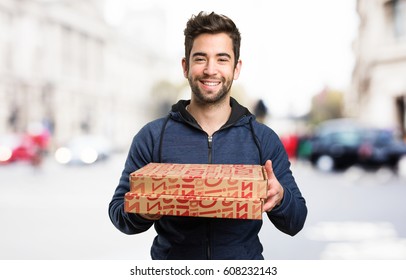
[(247, 181), (198, 190), (195, 206)]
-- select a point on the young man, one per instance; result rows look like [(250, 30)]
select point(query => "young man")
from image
[(211, 127)]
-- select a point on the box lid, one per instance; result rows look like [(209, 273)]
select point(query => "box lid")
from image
[(228, 180)]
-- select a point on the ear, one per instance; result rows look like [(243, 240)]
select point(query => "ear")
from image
[(237, 69), (184, 66)]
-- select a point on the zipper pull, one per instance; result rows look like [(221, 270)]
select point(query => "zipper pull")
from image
[(210, 141)]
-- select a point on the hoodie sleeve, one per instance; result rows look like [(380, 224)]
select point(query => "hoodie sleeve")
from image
[(289, 217), (140, 154)]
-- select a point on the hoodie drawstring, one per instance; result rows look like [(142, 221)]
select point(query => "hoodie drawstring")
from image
[(162, 138), (256, 143)]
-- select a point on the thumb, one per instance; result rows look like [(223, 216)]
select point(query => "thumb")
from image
[(269, 169)]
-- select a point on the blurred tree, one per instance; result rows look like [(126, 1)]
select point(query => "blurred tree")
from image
[(328, 104)]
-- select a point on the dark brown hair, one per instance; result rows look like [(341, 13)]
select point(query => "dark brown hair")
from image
[(213, 24)]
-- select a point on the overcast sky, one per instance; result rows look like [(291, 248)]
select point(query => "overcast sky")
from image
[(290, 50)]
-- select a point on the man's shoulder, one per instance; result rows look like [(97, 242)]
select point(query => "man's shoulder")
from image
[(153, 126), (263, 128), (156, 122)]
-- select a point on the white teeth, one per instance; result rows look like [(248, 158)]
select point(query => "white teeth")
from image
[(211, 83)]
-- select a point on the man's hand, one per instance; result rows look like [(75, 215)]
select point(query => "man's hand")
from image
[(151, 217), (275, 189)]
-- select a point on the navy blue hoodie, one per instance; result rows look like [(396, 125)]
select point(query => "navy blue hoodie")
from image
[(178, 138)]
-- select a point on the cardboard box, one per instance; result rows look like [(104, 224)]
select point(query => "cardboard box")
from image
[(195, 206), (213, 180)]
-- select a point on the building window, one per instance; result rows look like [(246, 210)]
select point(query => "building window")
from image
[(67, 50), (6, 53), (399, 18), (401, 112)]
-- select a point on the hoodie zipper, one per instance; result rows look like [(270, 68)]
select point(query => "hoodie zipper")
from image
[(210, 161), (210, 144)]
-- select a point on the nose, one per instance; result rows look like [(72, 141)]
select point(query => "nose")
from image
[(210, 68)]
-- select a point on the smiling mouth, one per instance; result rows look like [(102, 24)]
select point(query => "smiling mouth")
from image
[(210, 84)]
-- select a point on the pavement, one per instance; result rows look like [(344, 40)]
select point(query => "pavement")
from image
[(59, 212)]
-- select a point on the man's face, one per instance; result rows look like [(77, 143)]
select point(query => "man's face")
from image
[(211, 68)]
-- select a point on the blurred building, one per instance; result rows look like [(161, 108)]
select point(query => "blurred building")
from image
[(378, 92), (62, 65)]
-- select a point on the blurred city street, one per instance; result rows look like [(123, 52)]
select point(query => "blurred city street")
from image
[(79, 78), (60, 212)]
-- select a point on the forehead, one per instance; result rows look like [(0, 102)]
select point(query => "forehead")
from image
[(213, 44)]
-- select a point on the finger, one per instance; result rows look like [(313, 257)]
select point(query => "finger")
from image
[(269, 169), (269, 205)]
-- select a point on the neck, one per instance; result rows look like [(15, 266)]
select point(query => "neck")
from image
[(210, 117)]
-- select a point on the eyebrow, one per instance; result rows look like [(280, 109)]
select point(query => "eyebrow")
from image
[(204, 54)]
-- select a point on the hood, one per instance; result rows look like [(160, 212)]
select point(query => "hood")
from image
[(237, 112)]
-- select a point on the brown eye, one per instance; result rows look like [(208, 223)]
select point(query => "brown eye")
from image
[(199, 59)]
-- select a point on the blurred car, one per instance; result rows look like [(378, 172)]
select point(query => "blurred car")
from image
[(381, 147), (338, 144), (335, 144), (18, 147), (84, 149)]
